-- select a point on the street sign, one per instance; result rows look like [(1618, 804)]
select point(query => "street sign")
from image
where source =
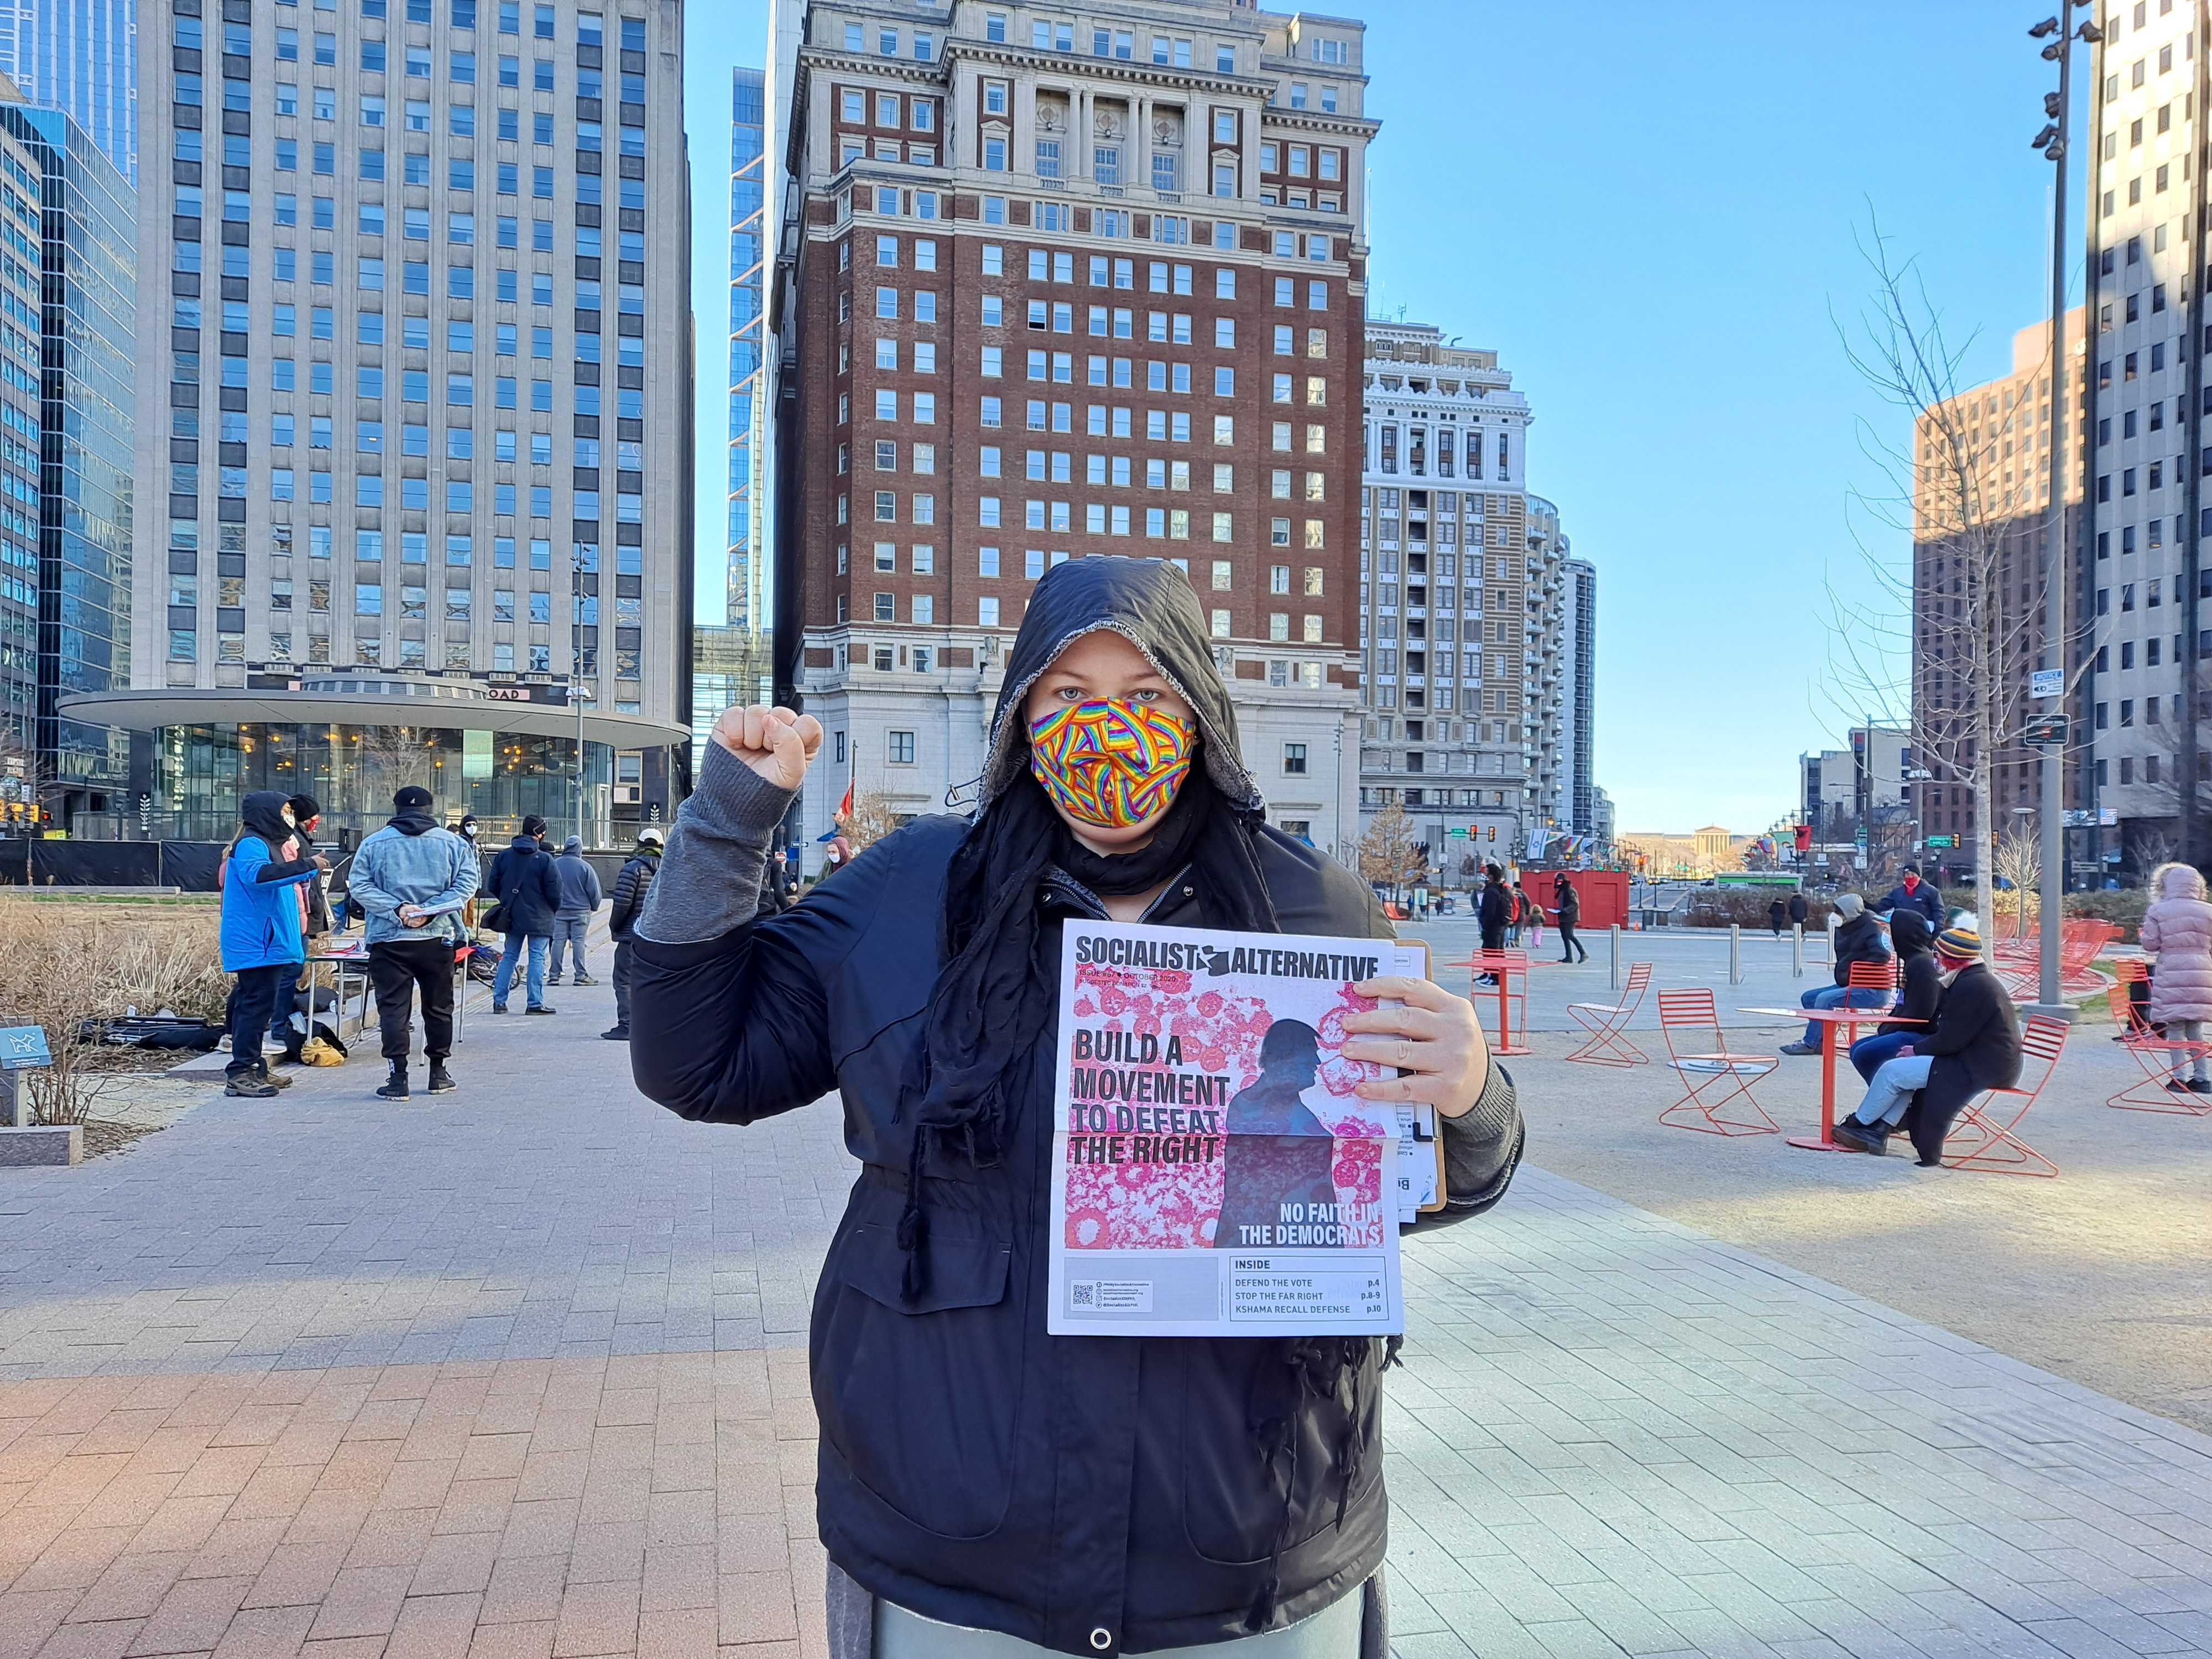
[(23, 1047), (1940, 841), (2045, 732), (1457, 833), (2047, 683)]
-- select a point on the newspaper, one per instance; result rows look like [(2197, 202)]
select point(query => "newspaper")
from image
[(1213, 1173)]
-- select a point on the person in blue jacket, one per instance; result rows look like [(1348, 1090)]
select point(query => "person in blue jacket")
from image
[(1912, 893), (262, 940)]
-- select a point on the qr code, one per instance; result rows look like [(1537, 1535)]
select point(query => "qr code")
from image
[(1083, 1293)]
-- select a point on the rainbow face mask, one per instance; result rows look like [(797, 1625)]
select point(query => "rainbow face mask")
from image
[(1110, 762)]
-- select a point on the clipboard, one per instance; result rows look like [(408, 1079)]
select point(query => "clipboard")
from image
[(1428, 972)]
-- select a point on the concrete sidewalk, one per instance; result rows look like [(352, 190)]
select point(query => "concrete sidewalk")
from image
[(519, 1373)]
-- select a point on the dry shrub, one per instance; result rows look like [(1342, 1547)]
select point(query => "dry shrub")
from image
[(62, 965)]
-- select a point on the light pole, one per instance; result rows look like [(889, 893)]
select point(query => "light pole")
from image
[(579, 695), (2057, 654)]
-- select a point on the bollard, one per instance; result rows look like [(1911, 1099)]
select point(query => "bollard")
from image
[(1736, 954), (1797, 950), (1614, 932)]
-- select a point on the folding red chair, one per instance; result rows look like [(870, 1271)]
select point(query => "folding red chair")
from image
[(1608, 1043), (1713, 1079), (1995, 1115), (2160, 1057)]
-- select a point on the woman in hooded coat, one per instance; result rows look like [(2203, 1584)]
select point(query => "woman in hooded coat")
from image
[(1920, 990), (1082, 1495), (2177, 929)]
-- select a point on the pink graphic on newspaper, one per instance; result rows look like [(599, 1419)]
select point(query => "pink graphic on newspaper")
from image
[(1207, 1108)]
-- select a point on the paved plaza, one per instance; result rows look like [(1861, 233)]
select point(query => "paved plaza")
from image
[(519, 1372)]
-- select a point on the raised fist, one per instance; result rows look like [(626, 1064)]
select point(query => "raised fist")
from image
[(775, 743)]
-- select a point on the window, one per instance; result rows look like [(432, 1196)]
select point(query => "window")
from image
[(1294, 759), (898, 748)]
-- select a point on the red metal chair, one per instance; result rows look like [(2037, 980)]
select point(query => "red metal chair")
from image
[(1995, 1115), (1713, 1078), (1608, 1043), (2160, 1056)]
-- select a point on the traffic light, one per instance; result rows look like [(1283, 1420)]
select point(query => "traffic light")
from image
[(1493, 832)]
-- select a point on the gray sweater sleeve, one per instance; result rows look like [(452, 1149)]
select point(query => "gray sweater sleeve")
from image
[(709, 879)]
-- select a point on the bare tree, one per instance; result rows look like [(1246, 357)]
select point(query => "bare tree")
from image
[(2019, 862), (1388, 852), (870, 820), (1942, 646)]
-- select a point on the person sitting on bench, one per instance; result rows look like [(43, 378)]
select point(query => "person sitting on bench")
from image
[(1973, 1047)]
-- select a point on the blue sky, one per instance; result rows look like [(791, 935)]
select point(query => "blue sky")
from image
[(1648, 211)]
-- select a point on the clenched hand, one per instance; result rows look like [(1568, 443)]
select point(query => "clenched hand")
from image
[(775, 743)]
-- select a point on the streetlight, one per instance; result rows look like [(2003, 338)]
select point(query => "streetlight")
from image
[(580, 695), (2060, 31)]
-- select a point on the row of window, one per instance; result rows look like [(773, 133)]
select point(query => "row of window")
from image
[(591, 26)]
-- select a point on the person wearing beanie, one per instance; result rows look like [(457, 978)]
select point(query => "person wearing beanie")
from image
[(580, 897), (411, 878), (1858, 938), (1973, 1047), (631, 888), (526, 889)]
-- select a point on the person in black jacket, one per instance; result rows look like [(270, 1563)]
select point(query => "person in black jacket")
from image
[(1493, 913), (1777, 917), (1567, 901), (1080, 1495), (1799, 910), (525, 885), (633, 884), (1973, 1047), (1921, 990), (1858, 938)]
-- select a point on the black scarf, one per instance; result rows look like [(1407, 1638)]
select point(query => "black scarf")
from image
[(414, 822), (998, 989)]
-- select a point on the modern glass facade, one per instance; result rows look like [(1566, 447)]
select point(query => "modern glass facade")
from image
[(80, 56), (21, 191), (202, 772), (88, 256), (733, 663)]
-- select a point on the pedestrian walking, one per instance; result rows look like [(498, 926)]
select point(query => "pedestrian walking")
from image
[(1567, 906), (775, 900), (633, 886), (579, 898), (1973, 1047), (1778, 916), (1798, 909), (1176, 1491), (261, 937), (1493, 913), (2177, 929), (1857, 938), (1532, 916), (412, 879), (526, 889), (1912, 893)]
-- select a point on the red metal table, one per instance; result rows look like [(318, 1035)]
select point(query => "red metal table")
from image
[(1829, 1020), (1502, 965)]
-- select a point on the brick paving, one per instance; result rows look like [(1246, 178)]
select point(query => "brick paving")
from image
[(521, 1374)]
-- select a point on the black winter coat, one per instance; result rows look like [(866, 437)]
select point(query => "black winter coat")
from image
[(1798, 909), (633, 883), (1859, 939), (1567, 901), (1918, 998), (1057, 1485), (1976, 1045), (523, 879), (1495, 907), (1092, 1494)]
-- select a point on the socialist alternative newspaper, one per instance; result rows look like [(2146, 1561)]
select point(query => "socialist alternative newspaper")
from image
[(1213, 1173)]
